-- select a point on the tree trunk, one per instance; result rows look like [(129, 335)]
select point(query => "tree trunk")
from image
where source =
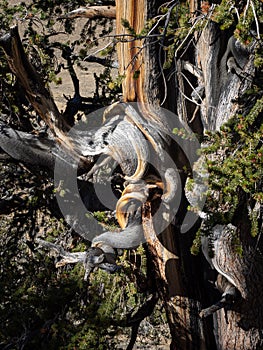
[(224, 82), (178, 280), (183, 283)]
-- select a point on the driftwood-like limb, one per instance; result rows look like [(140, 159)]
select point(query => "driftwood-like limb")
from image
[(92, 258), (37, 149), (27, 148), (92, 12), (66, 257), (130, 150)]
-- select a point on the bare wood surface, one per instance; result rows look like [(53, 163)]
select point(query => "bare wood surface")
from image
[(138, 63), (36, 92), (132, 63), (92, 12)]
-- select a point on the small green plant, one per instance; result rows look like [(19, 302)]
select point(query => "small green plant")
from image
[(235, 163)]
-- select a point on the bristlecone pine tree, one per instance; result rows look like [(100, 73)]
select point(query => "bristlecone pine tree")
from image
[(202, 62)]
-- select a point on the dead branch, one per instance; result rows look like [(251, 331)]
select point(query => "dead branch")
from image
[(103, 61), (66, 257), (27, 148), (92, 12), (229, 297), (134, 321), (91, 258), (38, 95), (36, 92)]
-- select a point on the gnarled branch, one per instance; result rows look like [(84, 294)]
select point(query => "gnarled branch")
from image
[(28, 148), (30, 80)]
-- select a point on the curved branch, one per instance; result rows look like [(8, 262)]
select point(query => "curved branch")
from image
[(131, 237), (145, 310)]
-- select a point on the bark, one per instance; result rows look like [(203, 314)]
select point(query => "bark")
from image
[(137, 57), (227, 71), (240, 327)]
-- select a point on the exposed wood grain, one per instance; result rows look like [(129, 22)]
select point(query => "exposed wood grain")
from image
[(131, 58), (36, 92)]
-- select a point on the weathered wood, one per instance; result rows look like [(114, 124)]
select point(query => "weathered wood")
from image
[(181, 283), (138, 59), (131, 62), (30, 80), (227, 68), (240, 326), (26, 147), (177, 279), (227, 72), (92, 12)]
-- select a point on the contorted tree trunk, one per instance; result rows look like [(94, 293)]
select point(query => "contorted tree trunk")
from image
[(227, 71), (139, 138), (211, 75), (177, 280)]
